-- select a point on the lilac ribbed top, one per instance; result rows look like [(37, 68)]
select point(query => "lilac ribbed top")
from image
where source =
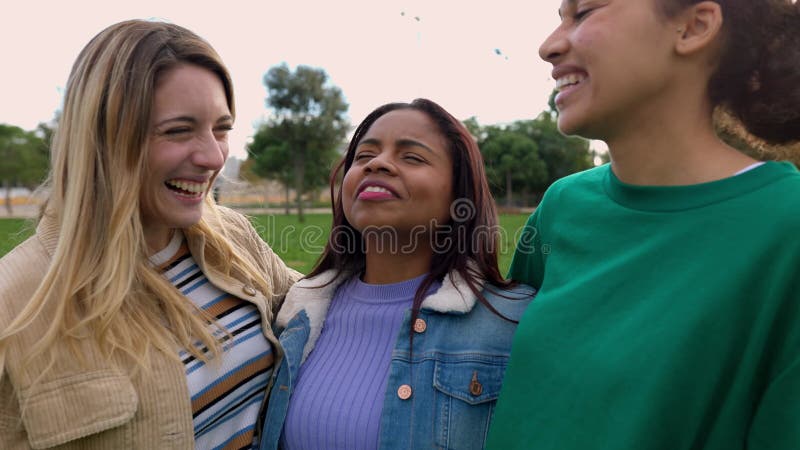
[(338, 398)]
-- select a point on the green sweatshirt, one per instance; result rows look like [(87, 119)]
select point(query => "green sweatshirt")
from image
[(667, 317)]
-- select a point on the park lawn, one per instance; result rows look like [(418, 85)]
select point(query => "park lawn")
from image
[(13, 232), (298, 244)]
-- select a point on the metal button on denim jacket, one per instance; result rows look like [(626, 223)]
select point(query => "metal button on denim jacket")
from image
[(442, 393)]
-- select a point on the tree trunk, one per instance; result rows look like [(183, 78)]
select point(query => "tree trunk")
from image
[(287, 202), (509, 198), (299, 173), (9, 208)]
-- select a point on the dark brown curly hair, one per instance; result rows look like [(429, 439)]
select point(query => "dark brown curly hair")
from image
[(757, 78)]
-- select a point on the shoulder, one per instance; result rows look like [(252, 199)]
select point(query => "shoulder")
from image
[(312, 295), (776, 204), (510, 302), (238, 228), (576, 187), (487, 328), (233, 220), (21, 272), (586, 178)]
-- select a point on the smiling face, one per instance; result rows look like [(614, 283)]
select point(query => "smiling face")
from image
[(611, 60), (401, 176), (188, 145)]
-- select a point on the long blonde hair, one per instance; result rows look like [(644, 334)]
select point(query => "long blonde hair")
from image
[(99, 282)]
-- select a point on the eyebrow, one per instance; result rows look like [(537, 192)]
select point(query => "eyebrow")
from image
[(191, 120), (405, 142)]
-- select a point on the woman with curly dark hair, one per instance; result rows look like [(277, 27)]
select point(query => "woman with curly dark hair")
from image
[(668, 313)]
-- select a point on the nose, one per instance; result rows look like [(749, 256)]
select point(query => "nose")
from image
[(210, 152), (555, 46), (380, 163)]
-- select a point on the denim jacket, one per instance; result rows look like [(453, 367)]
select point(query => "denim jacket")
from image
[(443, 393)]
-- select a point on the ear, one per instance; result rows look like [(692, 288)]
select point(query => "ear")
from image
[(698, 27)]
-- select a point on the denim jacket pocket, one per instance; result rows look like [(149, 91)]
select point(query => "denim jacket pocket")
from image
[(466, 393)]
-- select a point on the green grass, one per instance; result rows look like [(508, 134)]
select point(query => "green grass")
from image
[(297, 244), (13, 232)]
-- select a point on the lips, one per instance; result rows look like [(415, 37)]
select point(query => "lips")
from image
[(571, 79), (375, 190), (187, 188), (568, 79)]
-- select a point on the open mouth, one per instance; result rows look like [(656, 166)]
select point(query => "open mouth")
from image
[(567, 81), (189, 189), (375, 193)]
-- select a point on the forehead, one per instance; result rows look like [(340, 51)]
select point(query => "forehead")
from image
[(404, 122), (189, 85)]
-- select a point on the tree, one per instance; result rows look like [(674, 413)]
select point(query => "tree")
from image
[(563, 155), (512, 159), (270, 157), (299, 142), (23, 159), (527, 156), (474, 128)]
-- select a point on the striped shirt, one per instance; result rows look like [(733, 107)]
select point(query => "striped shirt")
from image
[(226, 392)]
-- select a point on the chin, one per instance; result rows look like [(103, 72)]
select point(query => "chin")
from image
[(567, 126), (575, 125), (184, 220)]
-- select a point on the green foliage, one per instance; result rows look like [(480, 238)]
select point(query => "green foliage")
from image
[(512, 159), (473, 127), (23, 157), (299, 143), (563, 155), (527, 156), (270, 156)]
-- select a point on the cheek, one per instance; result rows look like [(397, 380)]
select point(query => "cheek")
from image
[(147, 195), (583, 39), (349, 184), (161, 158), (446, 201), (224, 149)]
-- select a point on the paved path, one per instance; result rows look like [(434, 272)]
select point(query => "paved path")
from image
[(20, 212)]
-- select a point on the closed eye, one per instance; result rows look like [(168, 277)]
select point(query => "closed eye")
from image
[(363, 155), (177, 130), (414, 158), (582, 14), (222, 130)]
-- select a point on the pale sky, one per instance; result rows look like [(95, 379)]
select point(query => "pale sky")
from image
[(375, 51)]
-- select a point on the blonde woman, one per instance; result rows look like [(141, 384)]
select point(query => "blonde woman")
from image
[(138, 315)]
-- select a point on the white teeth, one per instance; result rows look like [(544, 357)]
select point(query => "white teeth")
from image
[(568, 80), (195, 188), (376, 189)]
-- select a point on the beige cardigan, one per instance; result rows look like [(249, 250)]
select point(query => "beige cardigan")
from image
[(98, 408)]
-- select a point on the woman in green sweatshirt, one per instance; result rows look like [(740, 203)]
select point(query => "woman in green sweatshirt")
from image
[(668, 313)]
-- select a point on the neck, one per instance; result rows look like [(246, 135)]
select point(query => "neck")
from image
[(157, 239), (391, 265), (674, 149)]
